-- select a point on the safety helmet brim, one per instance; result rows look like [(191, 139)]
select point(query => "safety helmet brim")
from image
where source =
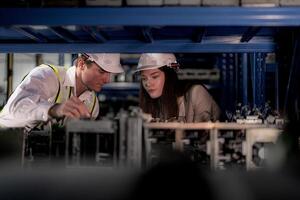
[(109, 62)]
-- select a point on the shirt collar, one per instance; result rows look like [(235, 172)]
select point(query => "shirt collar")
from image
[(70, 77)]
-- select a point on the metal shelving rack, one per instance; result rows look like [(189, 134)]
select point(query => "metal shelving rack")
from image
[(245, 30), (213, 29)]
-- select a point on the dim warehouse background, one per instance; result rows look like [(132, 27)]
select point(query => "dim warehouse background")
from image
[(245, 52)]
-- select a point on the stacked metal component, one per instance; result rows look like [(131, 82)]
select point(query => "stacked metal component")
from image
[(91, 143), (254, 115), (129, 141), (218, 145), (108, 142), (11, 147)]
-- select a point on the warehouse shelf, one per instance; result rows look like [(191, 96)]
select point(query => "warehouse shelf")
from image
[(251, 31), (121, 91), (144, 29), (152, 16)]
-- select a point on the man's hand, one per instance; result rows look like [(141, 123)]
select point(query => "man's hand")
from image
[(73, 108)]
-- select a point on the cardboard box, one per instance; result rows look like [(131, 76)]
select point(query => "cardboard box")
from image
[(144, 2), (290, 2), (61, 3), (220, 2), (103, 2), (190, 2), (263, 3), (171, 2)]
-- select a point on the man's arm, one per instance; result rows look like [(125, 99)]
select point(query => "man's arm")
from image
[(32, 99)]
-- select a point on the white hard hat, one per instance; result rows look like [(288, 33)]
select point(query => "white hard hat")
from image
[(110, 62), (156, 60)]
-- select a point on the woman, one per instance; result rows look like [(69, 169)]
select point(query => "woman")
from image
[(163, 97)]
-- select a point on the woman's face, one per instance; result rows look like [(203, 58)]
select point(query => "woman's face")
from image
[(153, 81)]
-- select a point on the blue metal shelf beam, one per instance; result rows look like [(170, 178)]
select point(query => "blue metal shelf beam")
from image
[(138, 47), (245, 79), (152, 16), (199, 34), (95, 33), (63, 34), (249, 34), (30, 34), (146, 32)]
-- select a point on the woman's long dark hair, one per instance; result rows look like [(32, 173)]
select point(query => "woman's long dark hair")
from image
[(165, 107)]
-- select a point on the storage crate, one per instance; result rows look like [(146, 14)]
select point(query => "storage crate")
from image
[(290, 2), (155, 2), (103, 2), (265, 3), (220, 2), (190, 2), (171, 2), (61, 3), (144, 2)]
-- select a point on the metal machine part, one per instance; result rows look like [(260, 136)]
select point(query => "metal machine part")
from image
[(231, 149), (12, 144), (130, 138), (108, 142), (218, 145), (38, 148), (244, 114), (129, 141), (91, 143), (260, 148)]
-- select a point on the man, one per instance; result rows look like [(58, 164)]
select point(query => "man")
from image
[(52, 94)]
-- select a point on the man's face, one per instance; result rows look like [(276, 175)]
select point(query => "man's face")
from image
[(93, 77)]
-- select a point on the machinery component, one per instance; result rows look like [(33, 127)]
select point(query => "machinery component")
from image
[(160, 142), (91, 143), (12, 144), (219, 145), (260, 152), (131, 137), (38, 148), (129, 141), (199, 74), (260, 143), (231, 149), (256, 115), (195, 146)]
